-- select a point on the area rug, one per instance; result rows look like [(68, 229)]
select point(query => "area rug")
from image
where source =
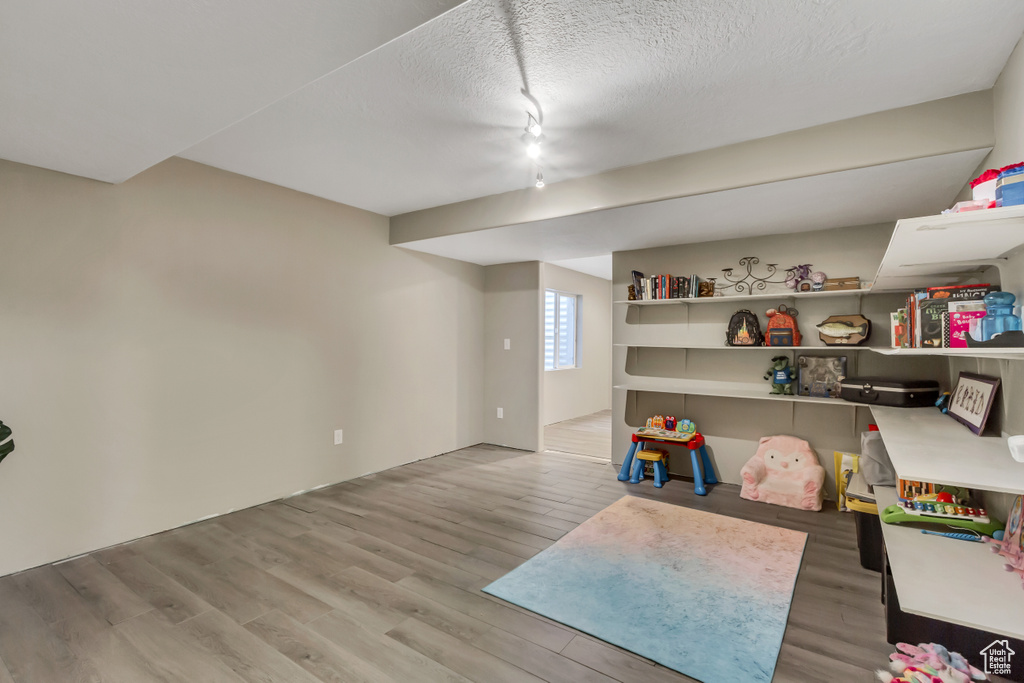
[(700, 593)]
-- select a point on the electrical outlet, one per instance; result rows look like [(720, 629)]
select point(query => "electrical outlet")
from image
[(337, 437), (508, 344), (500, 414)]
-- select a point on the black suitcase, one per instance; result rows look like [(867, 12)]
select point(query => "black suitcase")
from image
[(903, 393)]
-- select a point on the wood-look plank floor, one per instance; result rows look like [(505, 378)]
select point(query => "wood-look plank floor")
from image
[(378, 579), (587, 435)]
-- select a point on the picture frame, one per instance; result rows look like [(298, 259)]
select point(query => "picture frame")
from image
[(972, 399), (820, 376)]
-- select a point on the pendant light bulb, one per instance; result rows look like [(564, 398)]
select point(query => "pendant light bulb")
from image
[(533, 150), (532, 127), (540, 180)]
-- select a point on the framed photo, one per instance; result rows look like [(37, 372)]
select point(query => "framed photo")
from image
[(820, 375), (972, 399)]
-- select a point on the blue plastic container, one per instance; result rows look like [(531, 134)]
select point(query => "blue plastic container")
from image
[(1010, 187), (999, 315)]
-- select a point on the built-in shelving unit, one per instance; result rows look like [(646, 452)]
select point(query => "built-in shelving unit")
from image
[(1000, 354), (701, 387), (746, 297), (725, 347), (925, 444), (954, 581)]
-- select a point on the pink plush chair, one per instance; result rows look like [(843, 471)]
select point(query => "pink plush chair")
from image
[(784, 471)]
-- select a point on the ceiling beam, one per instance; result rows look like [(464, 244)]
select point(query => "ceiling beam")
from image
[(945, 126)]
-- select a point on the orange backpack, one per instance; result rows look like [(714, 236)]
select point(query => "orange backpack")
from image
[(782, 328)]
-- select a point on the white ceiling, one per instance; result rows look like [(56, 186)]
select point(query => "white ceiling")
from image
[(435, 117), (107, 88), (864, 196), (598, 266)]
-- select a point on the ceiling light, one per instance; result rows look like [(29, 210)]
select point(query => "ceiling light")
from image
[(532, 127), (533, 149), (540, 180)]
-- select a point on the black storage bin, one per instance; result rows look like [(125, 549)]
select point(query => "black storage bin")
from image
[(904, 393), (869, 540)]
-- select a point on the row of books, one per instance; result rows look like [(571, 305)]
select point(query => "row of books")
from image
[(939, 317), (664, 286)]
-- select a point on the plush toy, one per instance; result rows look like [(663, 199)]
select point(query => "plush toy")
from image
[(784, 471), (797, 274), (781, 375), (929, 663), (1010, 543)]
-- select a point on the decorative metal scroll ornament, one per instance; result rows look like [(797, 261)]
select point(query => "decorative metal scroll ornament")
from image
[(750, 282)]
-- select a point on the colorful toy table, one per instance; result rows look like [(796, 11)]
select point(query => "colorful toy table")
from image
[(694, 442)]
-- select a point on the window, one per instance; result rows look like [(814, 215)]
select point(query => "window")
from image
[(561, 318)]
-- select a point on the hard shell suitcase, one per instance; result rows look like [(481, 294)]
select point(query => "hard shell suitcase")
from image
[(903, 393)]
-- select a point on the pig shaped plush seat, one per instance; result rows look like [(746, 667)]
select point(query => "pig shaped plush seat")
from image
[(784, 471)]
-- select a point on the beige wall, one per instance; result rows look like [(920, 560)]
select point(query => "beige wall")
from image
[(185, 344), (512, 378), (586, 389)]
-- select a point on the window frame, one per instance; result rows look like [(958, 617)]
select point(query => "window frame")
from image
[(575, 329)]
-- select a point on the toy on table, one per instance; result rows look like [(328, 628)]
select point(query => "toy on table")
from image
[(784, 471), (782, 374), (685, 433), (782, 327), (921, 502), (929, 663), (1010, 543)]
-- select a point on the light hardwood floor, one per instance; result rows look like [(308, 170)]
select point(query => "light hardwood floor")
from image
[(378, 579), (587, 435)]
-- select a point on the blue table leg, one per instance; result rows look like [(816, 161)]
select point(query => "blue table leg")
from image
[(698, 482), (660, 474), (638, 471), (627, 463), (709, 470)]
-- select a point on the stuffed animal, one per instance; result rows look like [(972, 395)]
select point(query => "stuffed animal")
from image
[(784, 471), (782, 375), (929, 663), (1010, 543)]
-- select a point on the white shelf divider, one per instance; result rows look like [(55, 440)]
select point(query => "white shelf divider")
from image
[(926, 445), (951, 580), (700, 387)]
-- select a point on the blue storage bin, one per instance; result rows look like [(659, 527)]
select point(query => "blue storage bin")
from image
[(1010, 187)]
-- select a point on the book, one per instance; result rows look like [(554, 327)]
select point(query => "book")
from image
[(961, 292), (637, 287), (959, 324), (931, 314)]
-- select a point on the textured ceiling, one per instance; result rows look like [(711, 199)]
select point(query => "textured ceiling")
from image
[(876, 194), (435, 117), (106, 88)]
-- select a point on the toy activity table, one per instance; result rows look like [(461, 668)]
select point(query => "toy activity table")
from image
[(694, 442)]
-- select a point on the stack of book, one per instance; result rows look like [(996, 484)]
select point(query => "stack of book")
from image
[(664, 286), (939, 317)]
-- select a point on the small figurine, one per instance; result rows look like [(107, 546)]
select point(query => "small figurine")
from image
[(796, 275), (782, 374), (670, 422), (818, 281)]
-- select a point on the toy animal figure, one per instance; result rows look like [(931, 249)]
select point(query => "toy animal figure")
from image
[(929, 663), (784, 471), (796, 275), (782, 375)]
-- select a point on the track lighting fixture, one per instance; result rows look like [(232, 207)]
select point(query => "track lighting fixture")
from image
[(533, 149), (540, 179)]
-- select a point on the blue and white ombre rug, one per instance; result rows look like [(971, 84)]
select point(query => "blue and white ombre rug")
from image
[(703, 594)]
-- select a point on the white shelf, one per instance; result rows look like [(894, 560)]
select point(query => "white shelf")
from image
[(926, 445), (920, 251), (951, 580), (724, 347), (747, 297), (701, 387), (1003, 354)]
